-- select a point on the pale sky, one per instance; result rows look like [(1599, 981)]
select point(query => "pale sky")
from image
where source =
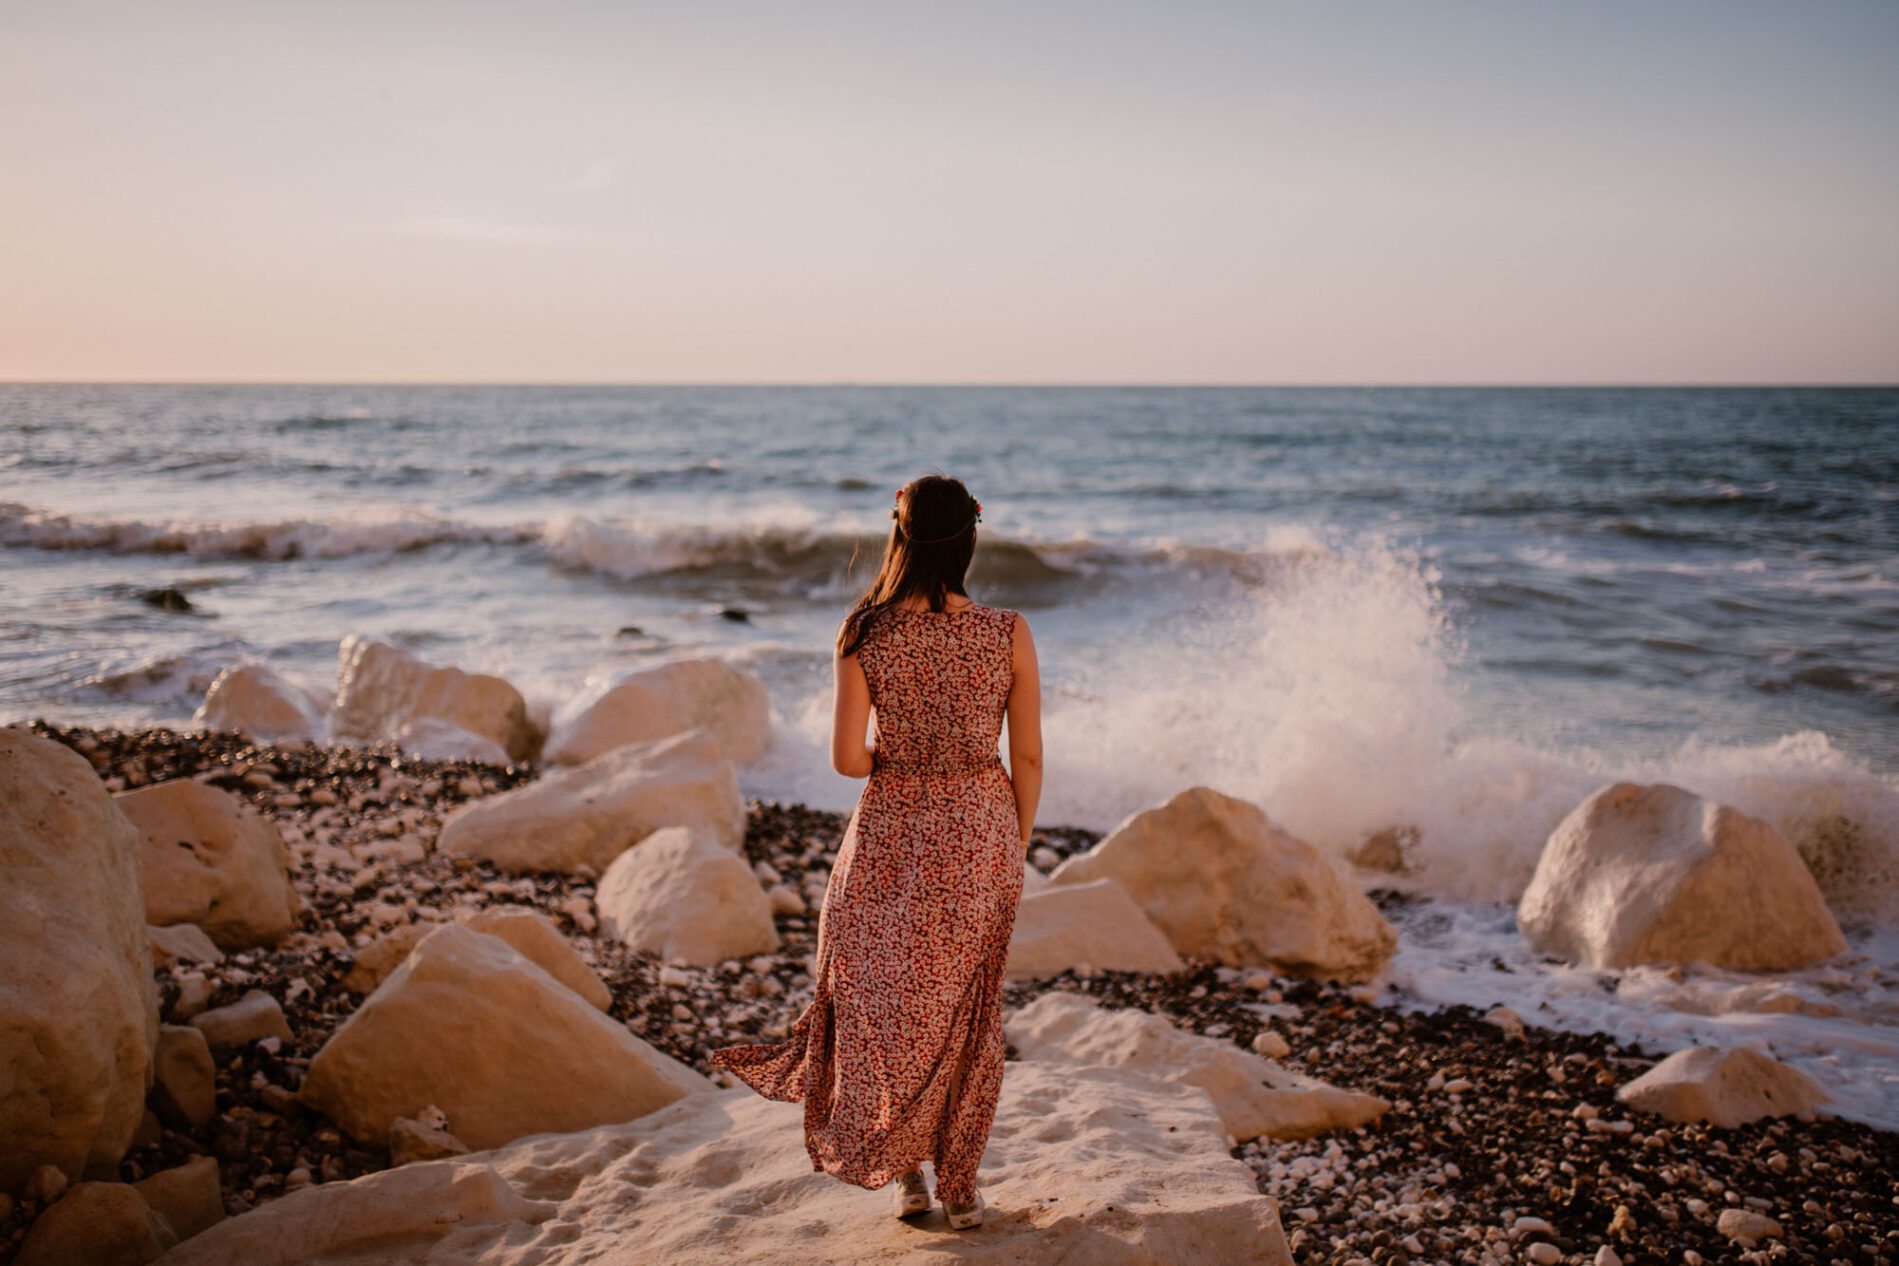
[(963, 191)]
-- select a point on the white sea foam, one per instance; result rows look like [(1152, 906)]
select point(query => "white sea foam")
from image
[(336, 537)]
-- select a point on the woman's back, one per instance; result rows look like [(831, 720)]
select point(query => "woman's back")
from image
[(939, 685)]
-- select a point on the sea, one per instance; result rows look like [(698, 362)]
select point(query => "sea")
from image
[(1453, 612)]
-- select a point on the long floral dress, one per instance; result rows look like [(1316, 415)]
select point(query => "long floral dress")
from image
[(898, 1057)]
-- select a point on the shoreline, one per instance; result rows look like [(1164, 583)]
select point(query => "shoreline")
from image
[(1443, 1176)]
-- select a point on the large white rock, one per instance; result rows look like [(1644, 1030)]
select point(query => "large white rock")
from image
[(527, 930), (78, 1009), (1094, 924), (707, 694), (1639, 874), (1254, 1096), (1727, 1088), (683, 897), (1224, 883), (258, 701), (380, 688), (212, 860), (589, 814), (1085, 1167), (503, 1048)]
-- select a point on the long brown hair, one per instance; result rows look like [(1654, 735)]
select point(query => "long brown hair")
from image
[(927, 555)]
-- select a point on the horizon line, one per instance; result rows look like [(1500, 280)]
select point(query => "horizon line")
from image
[(998, 384)]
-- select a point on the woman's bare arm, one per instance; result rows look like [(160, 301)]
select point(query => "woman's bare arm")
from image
[(850, 720), (1025, 731)]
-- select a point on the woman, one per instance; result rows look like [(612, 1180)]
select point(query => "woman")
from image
[(898, 1058)]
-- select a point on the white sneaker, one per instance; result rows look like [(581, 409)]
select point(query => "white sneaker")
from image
[(913, 1197), (963, 1216)]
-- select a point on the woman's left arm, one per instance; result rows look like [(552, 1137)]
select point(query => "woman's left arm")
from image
[(851, 753)]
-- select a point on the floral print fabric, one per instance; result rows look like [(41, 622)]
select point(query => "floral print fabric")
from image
[(898, 1057)]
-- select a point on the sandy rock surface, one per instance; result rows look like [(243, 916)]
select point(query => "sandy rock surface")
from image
[(1722, 1087), (1084, 1165), (685, 898), (78, 1007), (1063, 926), (1254, 1096), (255, 699), (587, 815), (380, 688), (1224, 883), (727, 702), (211, 860), (1640, 874), (467, 1023)]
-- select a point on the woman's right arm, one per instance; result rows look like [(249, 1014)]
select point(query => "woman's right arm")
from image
[(1025, 731), (850, 720)]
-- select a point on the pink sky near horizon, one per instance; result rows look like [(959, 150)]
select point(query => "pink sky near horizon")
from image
[(1382, 193)]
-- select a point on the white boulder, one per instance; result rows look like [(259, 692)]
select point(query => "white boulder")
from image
[(506, 1050), (528, 930), (78, 1009), (589, 814), (1224, 883), (1727, 1088), (209, 858), (380, 688), (1088, 1165), (261, 703), (677, 895), (1058, 927), (1255, 1097), (709, 694), (1639, 874)]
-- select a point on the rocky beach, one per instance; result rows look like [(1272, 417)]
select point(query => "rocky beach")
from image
[(1488, 1139)]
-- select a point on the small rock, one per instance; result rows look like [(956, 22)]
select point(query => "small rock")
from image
[(46, 1185), (1606, 1256), (1271, 1045), (1544, 1253), (255, 1015), (1744, 1223), (103, 1222), (786, 900), (1506, 1019), (185, 1081), (188, 1197), (1457, 1085), (412, 1140), (1529, 1225)]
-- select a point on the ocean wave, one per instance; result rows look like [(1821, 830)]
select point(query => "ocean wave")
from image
[(272, 540), (822, 562)]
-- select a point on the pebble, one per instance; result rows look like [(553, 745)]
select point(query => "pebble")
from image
[(1606, 1256), (1544, 1253), (1746, 1224), (1271, 1045)]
